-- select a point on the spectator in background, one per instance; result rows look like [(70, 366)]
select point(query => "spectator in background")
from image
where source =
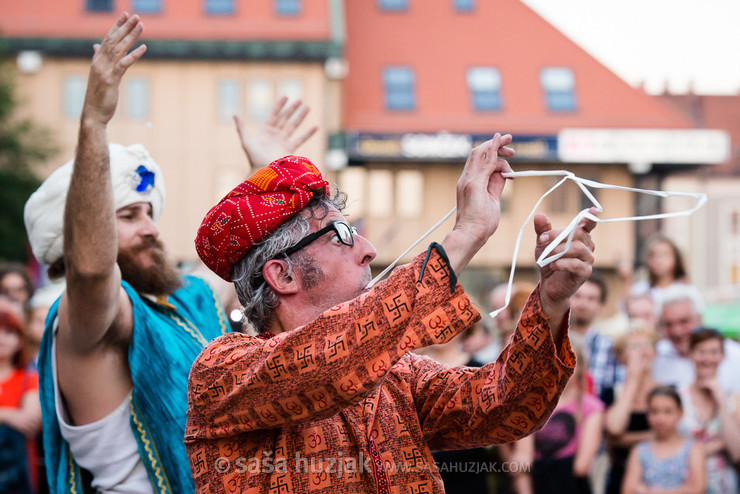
[(20, 410), (38, 308), (626, 417), (504, 323), (668, 462), (586, 306), (680, 313), (665, 267), (641, 308), (561, 453), (15, 282), (711, 415), (11, 305)]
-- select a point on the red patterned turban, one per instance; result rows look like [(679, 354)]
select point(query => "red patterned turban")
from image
[(256, 208)]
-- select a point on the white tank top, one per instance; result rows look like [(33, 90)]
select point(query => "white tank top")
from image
[(106, 448)]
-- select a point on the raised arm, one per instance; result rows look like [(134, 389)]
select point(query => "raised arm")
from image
[(91, 303), (274, 138), (464, 407), (618, 414)]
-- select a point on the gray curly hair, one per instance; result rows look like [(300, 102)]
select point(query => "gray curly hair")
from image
[(257, 298)]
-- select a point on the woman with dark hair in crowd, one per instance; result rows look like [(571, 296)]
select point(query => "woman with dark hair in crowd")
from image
[(712, 416), (665, 267), (20, 410)]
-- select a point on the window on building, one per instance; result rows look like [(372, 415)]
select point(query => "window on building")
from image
[(380, 182), (399, 88), (292, 87), (393, 4), (558, 199), (260, 99), (409, 193), (559, 86), (99, 5), (485, 88), (147, 6), (137, 97), (219, 7), (464, 5), (74, 95), (288, 7), (229, 98), (585, 202), (352, 181)]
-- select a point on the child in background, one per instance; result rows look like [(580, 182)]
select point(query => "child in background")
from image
[(669, 463)]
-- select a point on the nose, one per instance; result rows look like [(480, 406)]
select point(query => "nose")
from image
[(365, 250), (148, 227)]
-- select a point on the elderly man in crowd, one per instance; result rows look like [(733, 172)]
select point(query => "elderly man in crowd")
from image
[(328, 396), (680, 309)]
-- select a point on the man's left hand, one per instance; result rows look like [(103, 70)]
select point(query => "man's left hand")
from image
[(560, 279)]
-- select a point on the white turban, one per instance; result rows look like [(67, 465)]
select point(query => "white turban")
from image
[(135, 176)]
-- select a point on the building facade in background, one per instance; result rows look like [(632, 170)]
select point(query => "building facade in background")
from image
[(715, 249), (428, 80), (402, 90), (206, 61)]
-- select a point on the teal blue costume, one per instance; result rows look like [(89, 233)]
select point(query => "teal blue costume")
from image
[(166, 339)]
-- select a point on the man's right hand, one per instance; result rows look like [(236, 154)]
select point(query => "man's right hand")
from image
[(110, 61), (274, 138), (478, 200)]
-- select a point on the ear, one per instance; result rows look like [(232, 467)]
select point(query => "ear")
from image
[(277, 276)]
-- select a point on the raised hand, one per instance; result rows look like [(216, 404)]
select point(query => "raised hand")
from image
[(638, 363), (478, 200), (274, 139), (110, 62), (560, 279), (480, 186)]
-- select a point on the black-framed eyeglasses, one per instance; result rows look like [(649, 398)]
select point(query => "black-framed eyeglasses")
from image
[(345, 234)]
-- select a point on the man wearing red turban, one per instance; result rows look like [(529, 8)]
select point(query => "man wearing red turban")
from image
[(328, 398)]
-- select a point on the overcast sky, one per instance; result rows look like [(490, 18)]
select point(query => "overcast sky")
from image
[(661, 44)]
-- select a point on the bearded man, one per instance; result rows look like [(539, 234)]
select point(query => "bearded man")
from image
[(119, 344)]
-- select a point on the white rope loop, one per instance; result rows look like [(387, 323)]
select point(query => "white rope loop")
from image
[(568, 232)]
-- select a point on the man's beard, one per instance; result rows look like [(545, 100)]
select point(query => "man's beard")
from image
[(162, 278)]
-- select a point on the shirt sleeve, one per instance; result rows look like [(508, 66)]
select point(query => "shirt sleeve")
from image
[(241, 383), (466, 407)]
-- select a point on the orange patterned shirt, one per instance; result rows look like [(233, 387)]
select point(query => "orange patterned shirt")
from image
[(340, 405)]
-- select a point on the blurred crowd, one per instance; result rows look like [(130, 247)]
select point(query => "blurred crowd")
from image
[(23, 310), (653, 405), (654, 402)]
